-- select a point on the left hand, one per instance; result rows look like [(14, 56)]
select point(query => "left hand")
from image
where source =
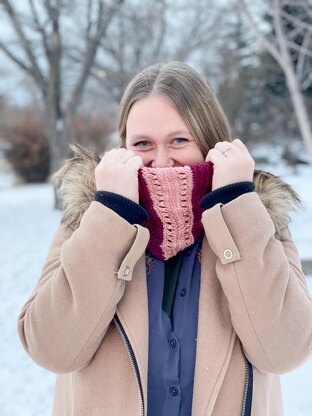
[(232, 163)]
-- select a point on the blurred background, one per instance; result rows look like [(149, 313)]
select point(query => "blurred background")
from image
[(64, 67)]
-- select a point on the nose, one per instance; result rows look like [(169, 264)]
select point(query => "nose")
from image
[(162, 160)]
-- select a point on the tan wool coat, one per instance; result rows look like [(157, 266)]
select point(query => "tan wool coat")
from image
[(87, 319)]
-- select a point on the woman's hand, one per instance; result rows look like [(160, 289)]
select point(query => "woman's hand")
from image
[(231, 163), (118, 172)]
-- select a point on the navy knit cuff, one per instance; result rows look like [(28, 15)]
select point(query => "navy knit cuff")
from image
[(127, 209), (226, 194)]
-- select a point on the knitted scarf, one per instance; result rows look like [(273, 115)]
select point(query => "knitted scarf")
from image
[(172, 196)]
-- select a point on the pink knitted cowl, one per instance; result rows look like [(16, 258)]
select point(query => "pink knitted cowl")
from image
[(171, 196)]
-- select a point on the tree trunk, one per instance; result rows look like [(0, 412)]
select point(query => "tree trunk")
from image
[(293, 82), (281, 53), (300, 109), (58, 145), (59, 148)]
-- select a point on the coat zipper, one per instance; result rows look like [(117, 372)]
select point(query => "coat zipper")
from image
[(132, 360), (247, 401)]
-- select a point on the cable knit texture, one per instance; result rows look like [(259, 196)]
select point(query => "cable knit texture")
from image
[(172, 198)]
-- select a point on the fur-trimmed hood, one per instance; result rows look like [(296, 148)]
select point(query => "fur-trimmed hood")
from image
[(75, 182)]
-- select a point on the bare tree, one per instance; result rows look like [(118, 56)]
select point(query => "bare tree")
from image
[(160, 31), (45, 34), (291, 56)]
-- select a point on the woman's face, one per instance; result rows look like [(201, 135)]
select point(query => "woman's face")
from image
[(157, 133)]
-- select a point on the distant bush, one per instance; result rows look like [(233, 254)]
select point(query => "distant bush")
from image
[(94, 131), (29, 151), (23, 128)]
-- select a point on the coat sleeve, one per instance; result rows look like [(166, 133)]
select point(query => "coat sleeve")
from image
[(261, 276), (83, 279)]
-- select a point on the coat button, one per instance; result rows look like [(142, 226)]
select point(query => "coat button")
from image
[(228, 254), (126, 271), (174, 391)]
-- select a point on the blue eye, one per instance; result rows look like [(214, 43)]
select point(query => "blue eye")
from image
[(180, 140), (142, 143)]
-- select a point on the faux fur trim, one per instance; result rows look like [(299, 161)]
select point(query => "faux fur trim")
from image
[(75, 185), (277, 196)]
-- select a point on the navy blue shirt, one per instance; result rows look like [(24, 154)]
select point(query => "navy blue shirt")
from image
[(172, 343)]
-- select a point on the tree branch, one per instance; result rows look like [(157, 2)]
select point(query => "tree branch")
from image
[(306, 83), (295, 32), (302, 56), (162, 30), (37, 74), (39, 27), (295, 46), (297, 22), (280, 36), (202, 31), (89, 18), (15, 59), (308, 9), (268, 45), (92, 46)]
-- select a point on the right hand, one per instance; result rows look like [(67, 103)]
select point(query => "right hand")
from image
[(118, 172)]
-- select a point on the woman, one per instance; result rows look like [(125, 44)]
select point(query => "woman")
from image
[(172, 286)]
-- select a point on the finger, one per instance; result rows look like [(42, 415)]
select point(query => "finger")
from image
[(238, 143), (121, 155), (108, 153), (136, 162), (120, 151), (226, 148), (223, 144), (215, 156)]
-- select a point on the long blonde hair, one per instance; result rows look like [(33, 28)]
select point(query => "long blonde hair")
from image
[(190, 95)]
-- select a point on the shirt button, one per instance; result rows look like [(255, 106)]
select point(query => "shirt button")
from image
[(172, 343), (126, 271), (183, 293), (228, 254), (174, 391)]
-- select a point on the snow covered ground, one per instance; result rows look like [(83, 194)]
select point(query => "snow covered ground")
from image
[(28, 223)]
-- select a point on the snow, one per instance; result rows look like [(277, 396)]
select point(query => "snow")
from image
[(27, 226), (28, 222), (301, 224)]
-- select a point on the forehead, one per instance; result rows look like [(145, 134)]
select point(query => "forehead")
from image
[(153, 114)]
